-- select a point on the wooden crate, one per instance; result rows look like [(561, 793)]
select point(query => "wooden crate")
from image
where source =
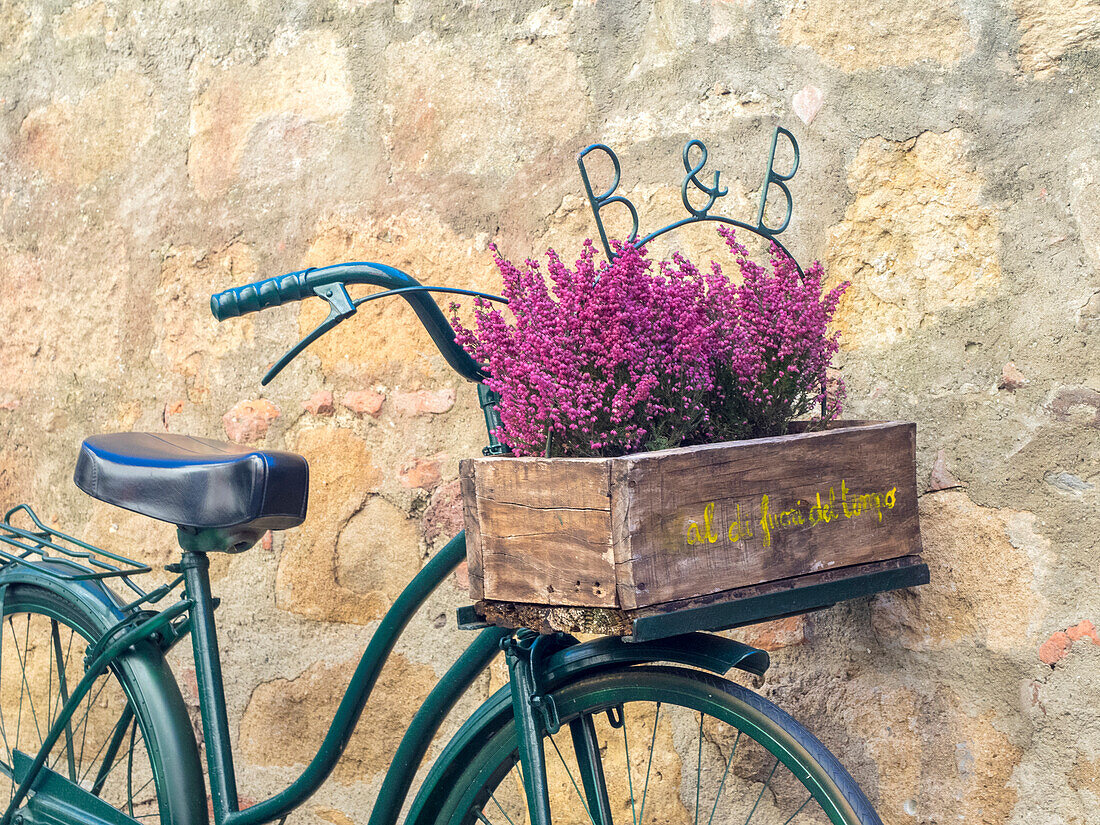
[(627, 534)]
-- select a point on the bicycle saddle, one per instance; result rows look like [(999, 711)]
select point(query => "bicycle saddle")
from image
[(196, 483)]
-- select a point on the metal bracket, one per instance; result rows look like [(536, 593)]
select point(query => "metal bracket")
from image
[(163, 633), (489, 399), (468, 618), (530, 652)]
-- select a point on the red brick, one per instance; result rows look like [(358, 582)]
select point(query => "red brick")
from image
[(424, 473), (941, 477), (443, 516), (1054, 648), (249, 420), (320, 403), (775, 634), (1011, 377), (1081, 630), (170, 409), (364, 402), (422, 402)]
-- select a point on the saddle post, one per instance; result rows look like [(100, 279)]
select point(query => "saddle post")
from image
[(208, 673)]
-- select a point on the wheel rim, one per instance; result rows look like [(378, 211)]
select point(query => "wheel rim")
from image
[(742, 770), (103, 748)]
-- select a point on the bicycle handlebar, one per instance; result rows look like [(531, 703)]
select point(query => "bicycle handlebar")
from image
[(271, 292), (309, 283)]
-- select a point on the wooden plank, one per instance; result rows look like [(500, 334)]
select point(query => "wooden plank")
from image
[(705, 519), (544, 530), (621, 485), (575, 483), (473, 529)]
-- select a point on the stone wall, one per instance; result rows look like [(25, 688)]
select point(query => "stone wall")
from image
[(151, 153)]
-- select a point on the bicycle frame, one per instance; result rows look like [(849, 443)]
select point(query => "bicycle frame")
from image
[(198, 608), (196, 614), (414, 744)]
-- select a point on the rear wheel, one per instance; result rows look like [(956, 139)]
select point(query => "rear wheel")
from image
[(664, 746), (114, 745)]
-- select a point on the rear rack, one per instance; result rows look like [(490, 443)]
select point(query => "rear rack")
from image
[(33, 547)]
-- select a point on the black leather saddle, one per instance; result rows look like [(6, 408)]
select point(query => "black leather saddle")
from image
[(196, 483)]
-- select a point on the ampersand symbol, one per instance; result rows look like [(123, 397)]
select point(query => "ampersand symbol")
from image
[(713, 192)]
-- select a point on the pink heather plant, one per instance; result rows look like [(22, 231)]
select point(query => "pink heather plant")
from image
[(612, 358), (781, 348)]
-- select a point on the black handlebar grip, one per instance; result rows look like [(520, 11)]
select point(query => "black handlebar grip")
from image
[(271, 292)]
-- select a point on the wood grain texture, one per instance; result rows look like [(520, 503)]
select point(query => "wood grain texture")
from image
[(473, 529), (767, 495), (676, 524), (572, 483), (544, 530)]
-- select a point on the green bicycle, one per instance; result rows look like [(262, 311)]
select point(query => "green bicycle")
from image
[(95, 731)]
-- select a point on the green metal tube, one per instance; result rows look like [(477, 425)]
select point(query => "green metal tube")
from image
[(208, 675), (586, 746), (426, 721), (532, 756), (362, 682)]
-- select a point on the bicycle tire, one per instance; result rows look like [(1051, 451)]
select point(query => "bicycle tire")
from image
[(38, 624), (838, 798)]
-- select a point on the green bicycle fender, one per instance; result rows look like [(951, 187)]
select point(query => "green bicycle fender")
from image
[(702, 650), (147, 667)]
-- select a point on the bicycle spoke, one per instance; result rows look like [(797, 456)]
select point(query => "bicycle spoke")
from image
[(571, 779), (501, 809), (49, 686), (7, 767), (11, 755), (65, 668), (98, 742), (629, 780), (112, 744), (797, 812), (19, 713), (698, 769), (767, 782), (91, 700), (586, 748), (730, 724), (652, 742), (24, 684), (726, 773), (145, 784), (62, 684)]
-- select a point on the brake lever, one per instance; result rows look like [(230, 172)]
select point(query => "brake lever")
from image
[(341, 308)]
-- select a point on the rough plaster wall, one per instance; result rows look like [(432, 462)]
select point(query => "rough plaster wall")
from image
[(151, 153)]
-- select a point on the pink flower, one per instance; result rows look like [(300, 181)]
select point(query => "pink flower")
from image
[(616, 357)]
